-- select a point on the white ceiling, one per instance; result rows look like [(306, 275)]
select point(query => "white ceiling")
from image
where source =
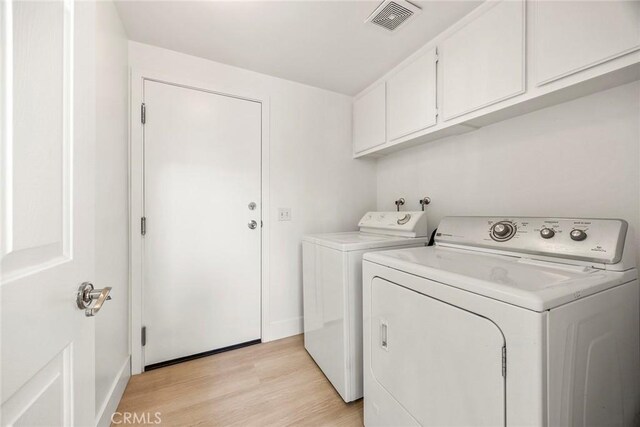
[(319, 43)]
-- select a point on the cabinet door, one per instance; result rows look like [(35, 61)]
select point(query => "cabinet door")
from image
[(484, 61), (369, 119), (412, 96), (570, 36)]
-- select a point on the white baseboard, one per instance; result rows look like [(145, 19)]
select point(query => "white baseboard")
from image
[(283, 328), (110, 405)]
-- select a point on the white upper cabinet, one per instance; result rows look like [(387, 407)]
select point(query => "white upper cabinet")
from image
[(484, 61), (411, 96), (504, 59), (369, 119), (570, 36)]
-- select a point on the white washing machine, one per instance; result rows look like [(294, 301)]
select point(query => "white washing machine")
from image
[(332, 291), (505, 321)]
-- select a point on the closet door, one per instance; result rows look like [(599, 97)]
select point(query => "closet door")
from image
[(412, 96), (484, 62)]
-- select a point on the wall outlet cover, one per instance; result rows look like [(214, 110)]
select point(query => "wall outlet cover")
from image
[(284, 214)]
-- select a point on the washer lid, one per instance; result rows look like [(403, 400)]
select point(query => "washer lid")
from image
[(356, 240), (531, 284)]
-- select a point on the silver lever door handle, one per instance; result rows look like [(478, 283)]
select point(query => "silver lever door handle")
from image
[(87, 294)]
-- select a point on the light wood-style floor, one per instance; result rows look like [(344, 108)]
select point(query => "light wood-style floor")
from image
[(272, 384)]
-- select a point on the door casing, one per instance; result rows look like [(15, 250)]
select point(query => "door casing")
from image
[(136, 202)]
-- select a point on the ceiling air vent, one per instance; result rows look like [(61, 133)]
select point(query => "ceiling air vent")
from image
[(392, 13)]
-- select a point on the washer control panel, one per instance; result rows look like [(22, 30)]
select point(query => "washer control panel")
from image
[(595, 240), (404, 224)]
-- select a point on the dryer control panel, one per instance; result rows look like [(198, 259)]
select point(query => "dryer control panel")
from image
[(584, 239), (405, 224)]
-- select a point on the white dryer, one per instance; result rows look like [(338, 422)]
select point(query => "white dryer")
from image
[(332, 291), (505, 321)]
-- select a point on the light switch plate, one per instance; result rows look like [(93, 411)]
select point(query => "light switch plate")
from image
[(284, 214)]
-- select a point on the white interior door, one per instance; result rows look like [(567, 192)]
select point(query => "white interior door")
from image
[(201, 258), (47, 343)]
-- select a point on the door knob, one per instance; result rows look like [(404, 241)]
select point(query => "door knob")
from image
[(87, 294), (252, 224)]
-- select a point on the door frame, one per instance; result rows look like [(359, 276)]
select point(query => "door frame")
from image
[(136, 200)]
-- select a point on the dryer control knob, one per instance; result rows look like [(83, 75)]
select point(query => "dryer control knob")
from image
[(578, 235), (502, 229), (547, 233)]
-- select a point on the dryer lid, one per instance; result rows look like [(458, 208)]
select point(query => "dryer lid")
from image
[(530, 284)]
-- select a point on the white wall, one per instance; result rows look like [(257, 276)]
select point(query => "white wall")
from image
[(311, 169), (112, 210), (577, 159)]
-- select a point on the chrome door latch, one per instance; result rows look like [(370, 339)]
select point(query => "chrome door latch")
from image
[(87, 294)]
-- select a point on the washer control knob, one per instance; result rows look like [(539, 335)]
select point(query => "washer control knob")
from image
[(547, 233), (578, 235), (405, 219)]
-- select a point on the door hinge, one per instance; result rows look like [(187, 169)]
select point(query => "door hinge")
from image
[(143, 336), (437, 56), (143, 113), (143, 225), (504, 361)]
